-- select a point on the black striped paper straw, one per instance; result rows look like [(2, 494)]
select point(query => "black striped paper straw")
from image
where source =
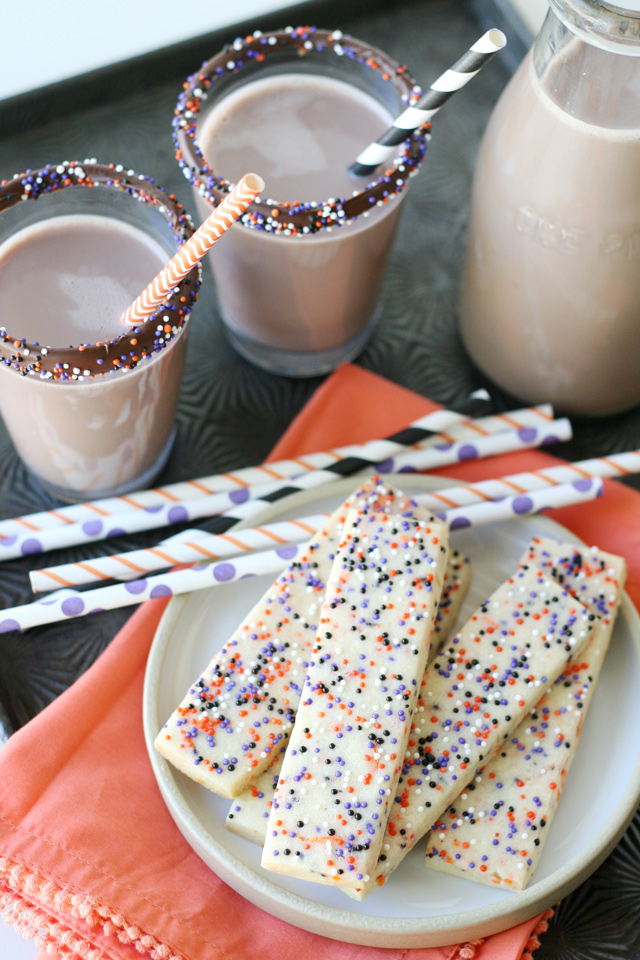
[(438, 93)]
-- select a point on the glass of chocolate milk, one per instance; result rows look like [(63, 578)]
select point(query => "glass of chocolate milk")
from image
[(89, 404), (298, 279), (550, 302)]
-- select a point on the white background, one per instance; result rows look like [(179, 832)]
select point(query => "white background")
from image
[(46, 42), (56, 42), (532, 12)]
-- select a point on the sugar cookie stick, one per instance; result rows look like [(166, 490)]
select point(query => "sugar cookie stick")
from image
[(495, 831), (345, 753), (238, 713), (478, 689), (250, 810)]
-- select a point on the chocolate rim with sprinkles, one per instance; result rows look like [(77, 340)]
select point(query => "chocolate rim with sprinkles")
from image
[(126, 351), (273, 216)]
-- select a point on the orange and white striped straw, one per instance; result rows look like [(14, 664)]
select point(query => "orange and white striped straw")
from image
[(193, 250)]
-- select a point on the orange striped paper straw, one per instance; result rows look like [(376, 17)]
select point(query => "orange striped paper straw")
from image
[(190, 253)]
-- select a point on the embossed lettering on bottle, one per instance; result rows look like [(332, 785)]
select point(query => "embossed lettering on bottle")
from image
[(564, 239)]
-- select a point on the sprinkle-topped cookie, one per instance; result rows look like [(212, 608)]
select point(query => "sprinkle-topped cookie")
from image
[(250, 810), (474, 694), (345, 754), (238, 714), (457, 581), (495, 831)]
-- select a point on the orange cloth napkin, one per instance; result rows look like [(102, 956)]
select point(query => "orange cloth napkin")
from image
[(91, 863)]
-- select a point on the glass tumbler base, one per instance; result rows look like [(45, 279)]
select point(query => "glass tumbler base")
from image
[(139, 482), (308, 363)]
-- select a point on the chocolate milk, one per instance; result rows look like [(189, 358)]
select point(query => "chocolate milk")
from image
[(300, 132), (550, 303), (81, 271), (66, 281)]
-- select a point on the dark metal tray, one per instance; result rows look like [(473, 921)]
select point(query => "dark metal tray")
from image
[(230, 413)]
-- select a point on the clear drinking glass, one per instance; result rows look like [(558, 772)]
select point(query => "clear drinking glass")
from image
[(550, 299), (298, 284), (94, 419)]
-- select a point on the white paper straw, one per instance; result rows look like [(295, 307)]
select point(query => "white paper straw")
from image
[(509, 441), (197, 547), (255, 498), (522, 504), (68, 604)]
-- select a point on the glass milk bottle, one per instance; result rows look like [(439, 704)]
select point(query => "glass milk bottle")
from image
[(550, 298)]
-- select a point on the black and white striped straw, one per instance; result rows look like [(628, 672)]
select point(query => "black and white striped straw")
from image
[(372, 453), (438, 93)]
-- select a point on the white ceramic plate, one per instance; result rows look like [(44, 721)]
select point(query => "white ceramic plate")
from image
[(417, 906)]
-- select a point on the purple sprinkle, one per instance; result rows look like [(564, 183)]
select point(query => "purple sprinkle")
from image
[(154, 509), (117, 532), (31, 546), (583, 485), (6, 626), (72, 606), (92, 527), (136, 586), (48, 600), (162, 590), (224, 571), (459, 522), (177, 515), (239, 496), (551, 439), (385, 466), (7, 541), (288, 552), (527, 434), (522, 505), (467, 452)]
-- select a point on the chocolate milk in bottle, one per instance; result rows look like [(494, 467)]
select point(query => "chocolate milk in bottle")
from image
[(550, 299)]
